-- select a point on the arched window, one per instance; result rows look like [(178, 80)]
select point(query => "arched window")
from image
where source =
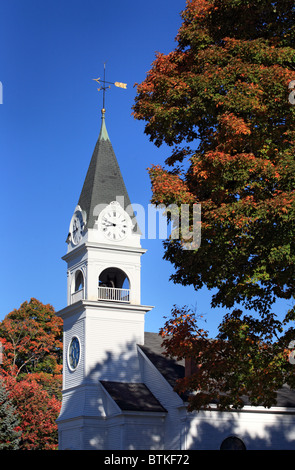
[(77, 288), (113, 284), (79, 280), (232, 443)]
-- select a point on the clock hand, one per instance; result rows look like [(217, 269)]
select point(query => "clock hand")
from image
[(111, 224)]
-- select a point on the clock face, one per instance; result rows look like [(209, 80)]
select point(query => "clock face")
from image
[(77, 227), (114, 223), (74, 353)]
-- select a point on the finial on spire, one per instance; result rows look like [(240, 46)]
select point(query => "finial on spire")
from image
[(104, 87), (103, 130)]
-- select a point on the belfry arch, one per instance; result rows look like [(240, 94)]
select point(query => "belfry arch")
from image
[(77, 286), (114, 284)]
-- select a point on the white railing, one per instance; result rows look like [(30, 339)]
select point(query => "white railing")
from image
[(114, 293), (78, 295)]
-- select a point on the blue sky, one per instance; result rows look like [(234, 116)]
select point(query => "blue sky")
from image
[(49, 124)]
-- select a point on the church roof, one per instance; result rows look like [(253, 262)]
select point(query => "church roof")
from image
[(132, 396), (104, 181), (171, 369)]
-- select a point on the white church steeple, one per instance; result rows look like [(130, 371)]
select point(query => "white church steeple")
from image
[(104, 319), (104, 216)]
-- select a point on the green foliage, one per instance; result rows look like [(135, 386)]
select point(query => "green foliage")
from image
[(9, 423)]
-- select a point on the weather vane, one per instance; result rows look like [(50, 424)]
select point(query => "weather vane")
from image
[(103, 84)]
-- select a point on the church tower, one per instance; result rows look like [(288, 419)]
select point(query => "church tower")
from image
[(104, 319)]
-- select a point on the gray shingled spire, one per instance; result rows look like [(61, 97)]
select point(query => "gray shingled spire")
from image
[(104, 182)]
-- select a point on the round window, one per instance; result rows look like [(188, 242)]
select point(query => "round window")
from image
[(74, 353), (232, 443)]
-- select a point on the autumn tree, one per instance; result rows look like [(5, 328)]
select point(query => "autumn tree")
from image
[(247, 363), (220, 103), (31, 337), (37, 411), (31, 340)]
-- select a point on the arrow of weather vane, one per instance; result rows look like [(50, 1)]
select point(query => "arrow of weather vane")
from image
[(104, 87)]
